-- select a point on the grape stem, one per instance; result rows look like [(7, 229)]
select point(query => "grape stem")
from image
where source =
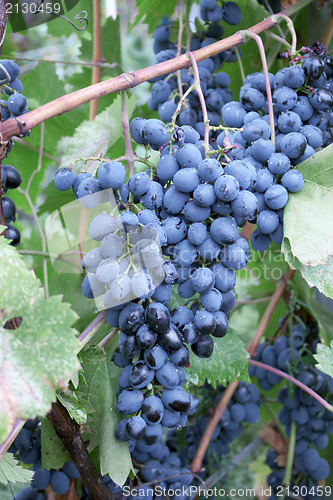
[(93, 328), (178, 109), (291, 28), (202, 101), (280, 40), (127, 136), (291, 453), (21, 124), (108, 337), (240, 64), (179, 48), (228, 393), (294, 381), (249, 34), (97, 54)]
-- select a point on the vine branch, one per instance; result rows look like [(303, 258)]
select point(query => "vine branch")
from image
[(294, 381), (19, 125), (69, 432)]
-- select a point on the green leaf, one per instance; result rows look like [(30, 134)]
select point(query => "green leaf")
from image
[(74, 407), (152, 11), (54, 454), (41, 354), (11, 470), (308, 221), (324, 357), (227, 363), (93, 138), (99, 392), (320, 275)]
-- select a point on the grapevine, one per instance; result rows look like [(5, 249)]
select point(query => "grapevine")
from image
[(157, 215)]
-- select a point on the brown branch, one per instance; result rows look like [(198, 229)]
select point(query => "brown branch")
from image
[(69, 432), (97, 54), (19, 125), (328, 31), (228, 393), (11, 436), (3, 20)]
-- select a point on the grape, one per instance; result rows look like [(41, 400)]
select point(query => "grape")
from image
[(240, 171), (145, 337), (136, 427), (197, 233), (17, 103), (139, 183), (195, 213), (267, 221), (209, 170), (260, 242), (9, 210), (278, 163), (293, 145), (69, 468), (289, 121), (276, 197), (91, 260), (234, 256), (211, 300), (251, 98), (10, 177), (176, 399), (64, 179), (313, 67), (203, 347), (155, 357), (111, 174), (204, 195), (131, 318), (59, 482), (171, 339), (175, 229), (284, 98), (155, 133), (168, 375), (188, 156), (209, 249), (167, 166), (293, 181), (294, 77), (129, 401), (224, 230), (203, 280), (264, 179), (262, 149), (153, 197), (246, 205), (313, 135), (90, 192)]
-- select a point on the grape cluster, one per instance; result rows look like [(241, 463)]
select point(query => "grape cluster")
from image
[(243, 407), (165, 90), (303, 113), (286, 353), (10, 179), (314, 424), (15, 105)]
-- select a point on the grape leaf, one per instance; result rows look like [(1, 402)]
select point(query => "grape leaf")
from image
[(152, 11), (319, 275), (54, 453), (41, 354), (324, 357), (99, 392), (308, 223), (11, 470), (227, 363), (93, 138)]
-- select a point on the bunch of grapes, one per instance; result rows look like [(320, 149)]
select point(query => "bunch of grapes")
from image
[(15, 105), (165, 90)]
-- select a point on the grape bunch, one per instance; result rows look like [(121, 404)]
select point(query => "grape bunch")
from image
[(15, 105), (243, 407), (165, 90), (10, 179), (314, 424)]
